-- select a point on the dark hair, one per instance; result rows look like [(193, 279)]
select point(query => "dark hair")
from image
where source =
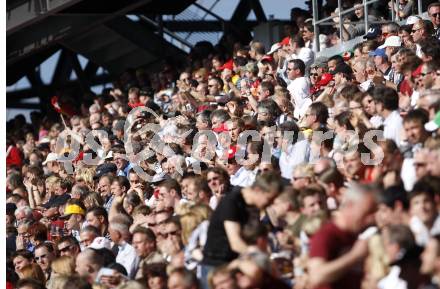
[(422, 187), (252, 231), (189, 279), (123, 182), (321, 111), (298, 64), (29, 283), (417, 115), (343, 119), (298, 40), (171, 184), (118, 268), (337, 58), (387, 96), (267, 85), (22, 253), (145, 231), (401, 235), (70, 239), (223, 115), (99, 212), (393, 194)]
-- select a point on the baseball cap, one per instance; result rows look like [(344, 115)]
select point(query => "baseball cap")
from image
[(51, 157), (342, 68), (227, 65), (417, 71), (320, 62), (100, 243), (392, 41), (434, 124), (72, 209), (285, 41), (103, 169), (378, 52), (274, 48), (412, 20), (325, 79), (373, 32), (268, 58)]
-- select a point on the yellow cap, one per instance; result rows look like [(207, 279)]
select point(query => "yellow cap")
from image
[(73, 209)]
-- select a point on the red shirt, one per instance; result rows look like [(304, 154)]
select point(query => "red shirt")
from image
[(330, 243), (14, 157)]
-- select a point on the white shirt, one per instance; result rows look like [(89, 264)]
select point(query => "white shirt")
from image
[(364, 86), (128, 258), (393, 126), (408, 174), (376, 121), (243, 177), (296, 154), (299, 90), (306, 55), (421, 232), (392, 280)]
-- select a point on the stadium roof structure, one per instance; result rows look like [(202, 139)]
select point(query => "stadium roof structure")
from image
[(112, 35)]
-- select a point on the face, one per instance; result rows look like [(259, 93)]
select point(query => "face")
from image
[(414, 131), (368, 105), (417, 32), (429, 257), (213, 87), (383, 216), (44, 258), (264, 199), (104, 187), (292, 73), (214, 181), (156, 283), (263, 114), (66, 249), (73, 222), (307, 34), (312, 205), (171, 232), (94, 221), (298, 181), (216, 122), (20, 262), (176, 282), (223, 281), (120, 162), (331, 65), (434, 15), (166, 197), (142, 245), (406, 37), (352, 163), (313, 76), (134, 179), (423, 207), (201, 124), (116, 189), (81, 266)]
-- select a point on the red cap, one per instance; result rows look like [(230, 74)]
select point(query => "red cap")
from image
[(285, 41), (221, 128), (418, 71), (133, 105), (227, 65), (325, 79), (267, 58)]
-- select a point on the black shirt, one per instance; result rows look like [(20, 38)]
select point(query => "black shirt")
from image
[(231, 208), (56, 201)]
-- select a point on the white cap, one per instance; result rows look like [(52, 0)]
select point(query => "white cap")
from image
[(51, 157), (392, 41), (412, 20), (100, 243), (274, 48)]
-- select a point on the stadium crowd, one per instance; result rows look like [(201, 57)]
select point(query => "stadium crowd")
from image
[(262, 167)]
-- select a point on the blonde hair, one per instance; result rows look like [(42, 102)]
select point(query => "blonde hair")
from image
[(52, 180), (190, 221), (86, 174), (64, 265), (33, 271), (93, 199)]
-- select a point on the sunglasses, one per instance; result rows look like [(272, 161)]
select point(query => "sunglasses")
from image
[(165, 235), (415, 30), (40, 257), (65, 249), (314, 74), (435, 15)]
